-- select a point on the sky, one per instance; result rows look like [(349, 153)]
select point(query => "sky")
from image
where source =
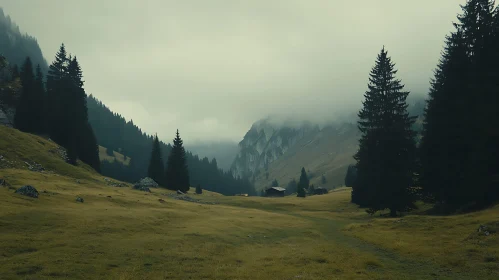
[(212, 68)]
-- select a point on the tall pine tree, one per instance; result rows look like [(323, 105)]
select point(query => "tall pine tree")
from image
[(177, 174), (67, 108), (56, 101), (445, 146), (24, 118), (386, 156), (465, 98), (156, 165)]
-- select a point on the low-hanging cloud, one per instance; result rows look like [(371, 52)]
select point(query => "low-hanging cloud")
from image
[(212, 68)]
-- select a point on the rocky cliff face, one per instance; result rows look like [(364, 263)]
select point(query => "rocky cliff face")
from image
[(264, 143), (271, 151)]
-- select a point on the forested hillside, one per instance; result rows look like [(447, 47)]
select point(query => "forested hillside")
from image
[(16, 46), (114, 132)]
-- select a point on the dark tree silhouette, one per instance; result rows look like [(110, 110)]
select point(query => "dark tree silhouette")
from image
[(177, 174), (386, 156), (460, 145), (199, 190), (24, 119), (156, 165)]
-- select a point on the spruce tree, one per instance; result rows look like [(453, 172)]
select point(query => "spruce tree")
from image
[(445, 145), (177, 173), (30, 110), (199, 190), (67, 107), (303, 184), (386, 156), (460, 133), (156, 165), (24, 117), (75, 109), (56, 86), (351, 176)]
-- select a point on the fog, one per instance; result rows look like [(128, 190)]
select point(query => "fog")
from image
[(212, 68)]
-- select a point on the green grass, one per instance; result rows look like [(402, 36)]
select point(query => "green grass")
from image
[(120, 233), (116, 156)]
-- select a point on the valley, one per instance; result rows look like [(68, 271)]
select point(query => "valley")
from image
[(121, 233)]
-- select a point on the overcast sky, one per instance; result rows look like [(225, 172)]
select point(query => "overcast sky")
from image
[(212, 68)]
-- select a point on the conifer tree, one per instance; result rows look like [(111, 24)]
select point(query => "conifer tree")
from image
[(24, 117), (177, 174), (30, 110), (351, 176), (199, 190), (386, 156), (56, 102), (67, 108), (303, 184), (460, 145), (445, 147), (156, 165)]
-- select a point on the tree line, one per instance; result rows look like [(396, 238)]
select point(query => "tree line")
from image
[(58, 107), (456, 165), (176, 174), (115, 133)]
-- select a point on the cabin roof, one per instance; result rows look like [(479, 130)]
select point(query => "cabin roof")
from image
[(279, 189)]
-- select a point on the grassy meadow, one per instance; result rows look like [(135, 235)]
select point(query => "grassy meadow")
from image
[(116, 156), (120, 233)]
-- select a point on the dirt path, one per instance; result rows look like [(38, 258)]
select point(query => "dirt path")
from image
[(410, 267)]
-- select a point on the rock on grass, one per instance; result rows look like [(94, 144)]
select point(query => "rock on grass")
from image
[(28, 191)]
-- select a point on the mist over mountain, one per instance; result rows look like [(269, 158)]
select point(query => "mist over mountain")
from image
[(16, 46), (224, 151)]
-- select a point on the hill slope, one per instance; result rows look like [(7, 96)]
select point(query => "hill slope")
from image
[(120, 233)]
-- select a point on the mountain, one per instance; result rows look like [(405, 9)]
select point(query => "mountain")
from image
[(277, 150), (271, 151), (225, 152), (16, 46)]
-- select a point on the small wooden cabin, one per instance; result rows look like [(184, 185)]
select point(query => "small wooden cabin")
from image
[(275, 192), (320, 190)]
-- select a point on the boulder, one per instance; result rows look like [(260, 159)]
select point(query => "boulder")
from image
[(79, 199), (147, 182), (488, 229), (35, 167), (28, 191)]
